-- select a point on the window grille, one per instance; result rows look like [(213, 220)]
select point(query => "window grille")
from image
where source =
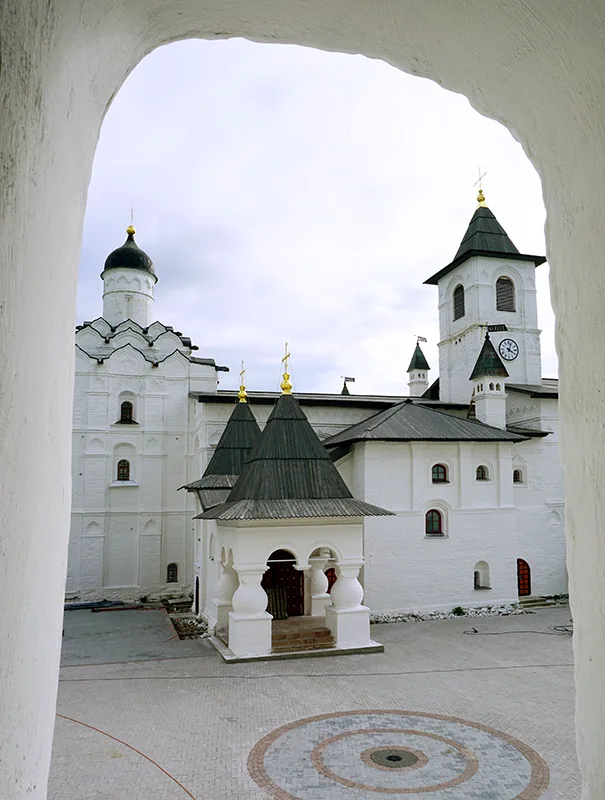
[(123, 470), (458, 302), (482, 473), (439, 473), (433, 523), (172, 573), (505, 294), (517, 476), (126, 410)]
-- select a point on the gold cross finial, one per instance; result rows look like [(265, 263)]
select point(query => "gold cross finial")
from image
[(479, 183), (130, 230), (285, 385), (242, 394)]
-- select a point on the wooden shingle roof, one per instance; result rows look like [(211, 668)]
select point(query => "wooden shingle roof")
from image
[(290, 475)]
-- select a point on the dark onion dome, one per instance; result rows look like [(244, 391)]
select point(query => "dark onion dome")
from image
[(129, 256)]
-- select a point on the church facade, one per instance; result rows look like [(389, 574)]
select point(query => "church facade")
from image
[(466, 465)]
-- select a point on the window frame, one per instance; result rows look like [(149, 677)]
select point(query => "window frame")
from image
[(432, 514), (458, 302), (127, 418), (123, 468), (519, 471), (172, 568), (483, 477), (506, 296), (440, 466)]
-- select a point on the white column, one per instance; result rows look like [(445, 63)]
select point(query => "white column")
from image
[(249, 622), (347, 618), (319, 586), (225, 589)]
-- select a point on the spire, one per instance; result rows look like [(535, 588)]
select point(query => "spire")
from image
[(290, 475), (238, 440), (484, 237), (345, 388), (418, 360), (488, 363)]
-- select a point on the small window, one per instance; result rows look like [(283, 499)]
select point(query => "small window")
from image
[(123, 470), (172, 573), (433, 523), (517, 476), (439, 473), (482, 473), (126, 412), (481, 576), (458, 302), (505, 294), (491, 387)]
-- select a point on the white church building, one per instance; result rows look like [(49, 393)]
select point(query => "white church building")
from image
[(458, 484)]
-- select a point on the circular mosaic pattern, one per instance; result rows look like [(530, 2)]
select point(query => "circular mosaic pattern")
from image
[(364, 754)]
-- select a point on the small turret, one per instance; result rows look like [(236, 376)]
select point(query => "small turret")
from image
[(128, 281), (418, 373), (489, 397)]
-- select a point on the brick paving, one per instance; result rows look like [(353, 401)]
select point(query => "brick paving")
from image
[(193, 721)]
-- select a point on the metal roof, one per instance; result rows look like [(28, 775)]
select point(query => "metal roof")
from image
[(488, 363), (549, 388), (412, 422), (484, 237), (418, 360)]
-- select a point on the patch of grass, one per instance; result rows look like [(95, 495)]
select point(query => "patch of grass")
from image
[(458, 611)]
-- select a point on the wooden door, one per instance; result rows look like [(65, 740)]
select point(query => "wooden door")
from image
[(523, 578), (285, 585)]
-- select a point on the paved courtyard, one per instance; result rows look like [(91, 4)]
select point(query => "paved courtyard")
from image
[(440, 715)]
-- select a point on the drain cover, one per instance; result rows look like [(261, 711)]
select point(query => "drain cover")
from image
[(394, 758)]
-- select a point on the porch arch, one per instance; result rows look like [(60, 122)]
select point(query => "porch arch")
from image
[(70, 61)]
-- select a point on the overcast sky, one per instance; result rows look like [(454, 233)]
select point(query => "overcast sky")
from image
[(289, 194)]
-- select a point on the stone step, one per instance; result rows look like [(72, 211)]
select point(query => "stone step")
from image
[(278, 638), (302, 644)]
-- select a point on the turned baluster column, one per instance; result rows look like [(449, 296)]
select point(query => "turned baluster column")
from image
[(347, 618), (249, 622), (320, 597), (225, 589)]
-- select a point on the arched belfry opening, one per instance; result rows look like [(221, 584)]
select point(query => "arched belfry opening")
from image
[(285, 586), (60, 112)]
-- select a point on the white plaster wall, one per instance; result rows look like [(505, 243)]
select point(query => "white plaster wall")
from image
[(539, 74), (461, 340), (128, 294), (490, 521), (146, 524)]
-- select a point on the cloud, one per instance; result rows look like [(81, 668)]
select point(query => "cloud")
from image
[(291, 194)]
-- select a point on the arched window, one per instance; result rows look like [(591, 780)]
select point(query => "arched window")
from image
[(433, 523), (172, 573), (491, 387), (439, 473), (126, 411), (505, 294), (482, 473), (458, 301), (481, 575), (517, 476), (123, 470)]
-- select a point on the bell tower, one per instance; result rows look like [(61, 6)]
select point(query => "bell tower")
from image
[(489, 282)]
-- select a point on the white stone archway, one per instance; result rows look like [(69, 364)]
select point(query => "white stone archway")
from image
[(537, 68)]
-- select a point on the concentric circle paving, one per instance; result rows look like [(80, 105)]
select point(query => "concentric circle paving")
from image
[(364, 754)]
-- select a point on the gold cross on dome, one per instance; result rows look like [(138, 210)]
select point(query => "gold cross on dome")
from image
[(284, 360), (242, 373)]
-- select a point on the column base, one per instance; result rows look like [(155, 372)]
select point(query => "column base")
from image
[(222, 614), (350, 627), (319, 603), (250, 635)]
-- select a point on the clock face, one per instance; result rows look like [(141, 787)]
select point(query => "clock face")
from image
[(509, 349)]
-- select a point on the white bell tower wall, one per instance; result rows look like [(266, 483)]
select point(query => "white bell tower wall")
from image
[(128, 294), (461, 339)]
